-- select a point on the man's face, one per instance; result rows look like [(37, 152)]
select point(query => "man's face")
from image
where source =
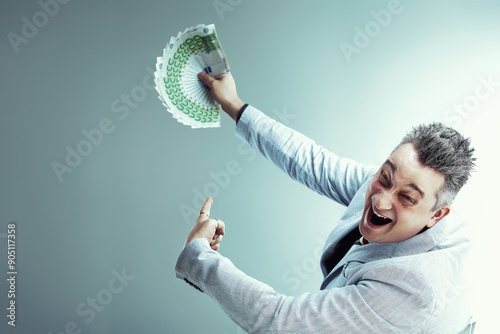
[(400, 198)]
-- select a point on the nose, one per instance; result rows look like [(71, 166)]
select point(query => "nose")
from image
[(383, 201)]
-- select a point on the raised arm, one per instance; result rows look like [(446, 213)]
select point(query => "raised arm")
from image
[(297, 155)]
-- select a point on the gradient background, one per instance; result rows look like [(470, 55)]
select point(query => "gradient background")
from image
[(121, 207)]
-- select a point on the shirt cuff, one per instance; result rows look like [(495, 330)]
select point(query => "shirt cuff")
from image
[(184, 262)]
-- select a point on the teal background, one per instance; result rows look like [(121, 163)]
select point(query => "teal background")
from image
[(122, 206)]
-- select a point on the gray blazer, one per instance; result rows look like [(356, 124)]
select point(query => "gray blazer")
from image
[(413, 286)]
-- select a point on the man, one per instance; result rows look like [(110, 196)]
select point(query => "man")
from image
[(392, 265)]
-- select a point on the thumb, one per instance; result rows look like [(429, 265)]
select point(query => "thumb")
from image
[(205, 78)]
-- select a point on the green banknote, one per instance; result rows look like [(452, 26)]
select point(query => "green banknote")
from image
[(195, 50)]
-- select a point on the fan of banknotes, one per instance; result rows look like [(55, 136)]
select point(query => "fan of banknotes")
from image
[(189, 100)]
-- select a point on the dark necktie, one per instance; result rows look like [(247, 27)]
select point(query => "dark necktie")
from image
[(342, 248)]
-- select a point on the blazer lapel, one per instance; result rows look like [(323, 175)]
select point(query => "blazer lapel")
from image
[(331, 247), (417, 244)]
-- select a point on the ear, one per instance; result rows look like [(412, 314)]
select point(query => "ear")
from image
[(438, 215)]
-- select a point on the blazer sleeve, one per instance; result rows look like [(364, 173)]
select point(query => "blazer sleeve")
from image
[(399, 302), (301, 158)]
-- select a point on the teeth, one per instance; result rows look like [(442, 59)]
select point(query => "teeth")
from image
[(380, 216)]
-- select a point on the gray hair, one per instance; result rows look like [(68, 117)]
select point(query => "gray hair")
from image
[(445, 150)]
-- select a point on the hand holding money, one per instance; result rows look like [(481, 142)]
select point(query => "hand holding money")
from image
[(190, 101), (224, 92)]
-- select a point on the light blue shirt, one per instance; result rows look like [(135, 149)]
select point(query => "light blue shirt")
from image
[(413, 286)]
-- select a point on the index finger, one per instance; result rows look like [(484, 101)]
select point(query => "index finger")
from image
[(205, 209)]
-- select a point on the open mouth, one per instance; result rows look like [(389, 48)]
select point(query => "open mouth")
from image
[(377, 219)]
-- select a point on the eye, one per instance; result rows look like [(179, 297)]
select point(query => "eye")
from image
[(407, 199), (385, 180)]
